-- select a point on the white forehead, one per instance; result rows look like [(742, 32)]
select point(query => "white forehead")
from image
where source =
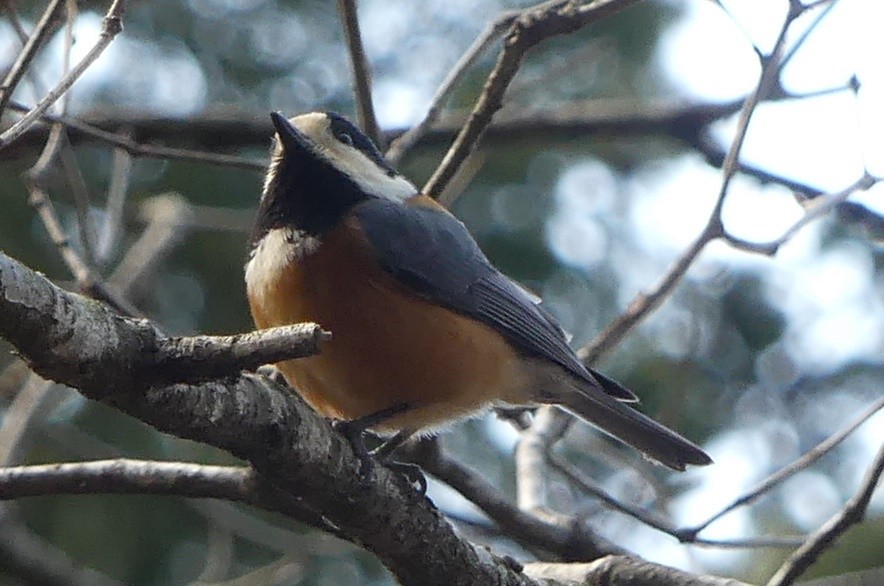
[(371, 178)]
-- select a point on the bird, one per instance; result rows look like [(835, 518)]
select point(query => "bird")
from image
[(424, 329)]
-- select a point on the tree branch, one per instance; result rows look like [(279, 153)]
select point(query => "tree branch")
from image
[(29, 51), (123, 476), (533, 26), (622, 571), (852, 513), (112, 24), (79, 342), (360, 69)]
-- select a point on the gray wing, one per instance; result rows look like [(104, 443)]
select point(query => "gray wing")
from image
[(434, 255)]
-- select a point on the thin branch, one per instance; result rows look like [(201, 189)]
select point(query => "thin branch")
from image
[(18, 415), (621, 570), (805, 34), (407, 140), (567, 540), (852, 513), (533, 26), (196, 358), (121, 174), (41, 203), (589, 487), (237, 129), (532, 473), (70, 17), (168, 217), (37, 561), (360, 69), (112, 24), (814, 209), (29, 51), (124, 476), (257, 133), (645, 303), (82, 205), (15, 21), (779, 476)]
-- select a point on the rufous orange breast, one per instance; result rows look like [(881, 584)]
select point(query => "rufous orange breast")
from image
[(388, 346)]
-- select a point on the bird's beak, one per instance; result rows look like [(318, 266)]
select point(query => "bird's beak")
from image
[(290, 137)]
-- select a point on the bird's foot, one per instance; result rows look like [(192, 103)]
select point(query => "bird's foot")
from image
[(355, 429)]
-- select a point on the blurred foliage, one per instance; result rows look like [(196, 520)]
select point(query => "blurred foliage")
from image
[(258, 55)]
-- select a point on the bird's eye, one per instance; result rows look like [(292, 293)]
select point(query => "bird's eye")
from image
[(345, 138)]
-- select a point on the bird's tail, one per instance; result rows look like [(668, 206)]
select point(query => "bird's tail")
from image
[(628, 425)]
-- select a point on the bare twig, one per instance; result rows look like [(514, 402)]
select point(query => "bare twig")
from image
[(18, 416), (621, 570), (123, 476), (168, 217), (566, 539), (532, 473), (644, 303), (71, 16), (205, 357), (805, 34), (779, 476), (112, 24), (29, 51), (82, 205), (15, 21), (405, 141), (814, 209), (360, 68), (589, 487), (533, 26), (136, 148), (121, 173), (37, 561), (42, 204), (852, 513)]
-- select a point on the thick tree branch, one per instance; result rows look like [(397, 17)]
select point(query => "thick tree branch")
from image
[(79, 342)]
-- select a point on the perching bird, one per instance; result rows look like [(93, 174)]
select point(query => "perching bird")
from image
[(425, 330)]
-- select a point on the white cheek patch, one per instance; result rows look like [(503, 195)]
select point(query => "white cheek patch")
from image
[(370, 178), (379, 184), (272, 254)]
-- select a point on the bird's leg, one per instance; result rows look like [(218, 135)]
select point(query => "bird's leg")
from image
[(412, 472), (354, 430), (383, 451)]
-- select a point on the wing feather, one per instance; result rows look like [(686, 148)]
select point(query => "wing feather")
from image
[(432, 253)]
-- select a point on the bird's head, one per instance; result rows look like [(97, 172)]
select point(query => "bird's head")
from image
[(322, 165)]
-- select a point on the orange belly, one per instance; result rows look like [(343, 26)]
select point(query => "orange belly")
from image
[(388, 346)]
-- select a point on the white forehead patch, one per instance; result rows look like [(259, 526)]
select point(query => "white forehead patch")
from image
[(371, 178)]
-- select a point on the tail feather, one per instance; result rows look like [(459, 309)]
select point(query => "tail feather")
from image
[(630, 426)]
